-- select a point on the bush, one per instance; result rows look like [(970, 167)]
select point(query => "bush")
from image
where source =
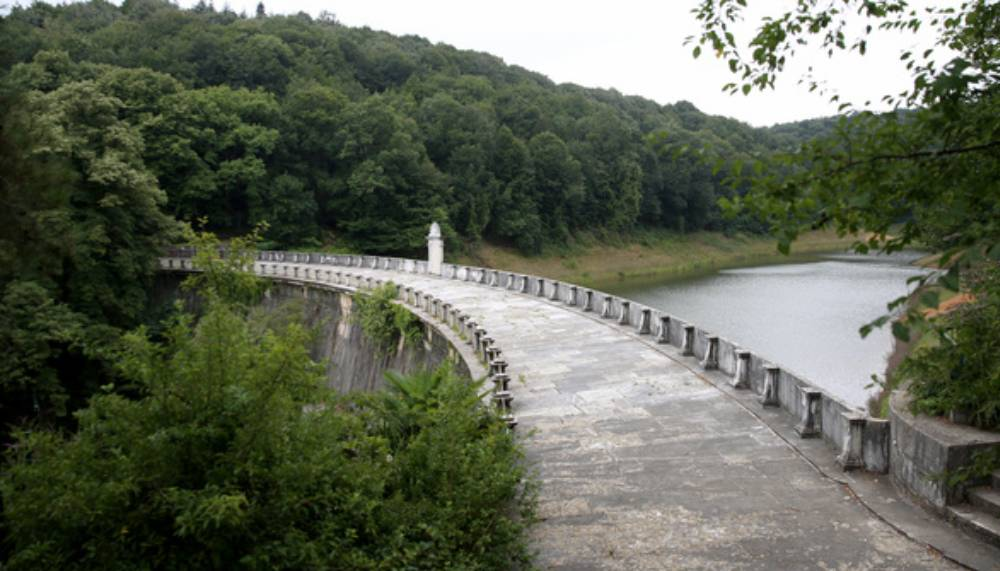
[(383, 321), (235, 457), (960, 369)]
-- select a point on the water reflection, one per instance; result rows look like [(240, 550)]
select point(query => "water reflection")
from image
[(803, 316)]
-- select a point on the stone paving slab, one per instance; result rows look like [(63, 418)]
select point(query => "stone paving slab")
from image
[(644, 464)]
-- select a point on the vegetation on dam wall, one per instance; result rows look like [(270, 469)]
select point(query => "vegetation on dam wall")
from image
[(219, 447)]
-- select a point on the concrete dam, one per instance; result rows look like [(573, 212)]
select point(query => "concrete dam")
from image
[(658, 445)]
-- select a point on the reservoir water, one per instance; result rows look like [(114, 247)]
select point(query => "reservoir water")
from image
[(803, 316)]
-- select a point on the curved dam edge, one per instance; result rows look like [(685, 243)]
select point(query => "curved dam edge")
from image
[(352, 361), (861, 440), (560, 371)]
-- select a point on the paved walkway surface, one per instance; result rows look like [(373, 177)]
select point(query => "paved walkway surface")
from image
[(646, 465)]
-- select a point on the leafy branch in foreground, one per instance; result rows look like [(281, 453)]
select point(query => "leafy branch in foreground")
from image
[(924, 176), (224, 269)]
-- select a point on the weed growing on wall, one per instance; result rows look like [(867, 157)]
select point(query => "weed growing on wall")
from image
[(383, 321)]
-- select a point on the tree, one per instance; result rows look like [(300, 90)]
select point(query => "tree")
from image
[(926, 173), (210, 148), (232, 454), (80, 232)]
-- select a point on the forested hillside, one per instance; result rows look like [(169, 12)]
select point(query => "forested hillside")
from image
[(115, 122), (348, 136)]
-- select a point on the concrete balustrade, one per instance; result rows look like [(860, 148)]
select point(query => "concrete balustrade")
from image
[(741, 376), (484, 345), (470, 331), (645, 316), (769, 396), (851, 455), (624, 317), (711, 359), (663, 333), (606, 307), (775, 386), (687, 346), (498, 366), (811, 406), (477, 344)]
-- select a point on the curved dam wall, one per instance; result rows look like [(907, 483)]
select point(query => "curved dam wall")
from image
[(862, 441), (353, 362)]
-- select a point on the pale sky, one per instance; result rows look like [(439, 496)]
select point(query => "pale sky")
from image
[(636, 47)]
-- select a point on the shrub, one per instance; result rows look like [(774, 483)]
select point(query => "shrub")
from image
[(233, 456), (960, 369), (383, 321)]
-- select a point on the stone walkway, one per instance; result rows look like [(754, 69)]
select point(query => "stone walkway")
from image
[(646, 465)]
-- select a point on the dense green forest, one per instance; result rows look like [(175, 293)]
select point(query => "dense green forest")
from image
[(360, 138), (117, 122)]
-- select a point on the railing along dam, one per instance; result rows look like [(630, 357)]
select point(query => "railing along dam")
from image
[(648, 432)]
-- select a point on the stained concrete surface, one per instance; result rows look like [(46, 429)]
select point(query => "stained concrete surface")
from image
[(646, 465)]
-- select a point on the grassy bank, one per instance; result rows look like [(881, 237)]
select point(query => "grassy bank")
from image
[(653, 256)]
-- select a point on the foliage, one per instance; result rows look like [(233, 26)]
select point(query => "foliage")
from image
[(384, 322), (235, 457), (80, 229), (320, 129), (923, 174), (224, 270), (984, 463), (960, 370)]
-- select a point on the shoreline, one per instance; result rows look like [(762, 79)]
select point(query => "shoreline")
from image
[(655, 257)]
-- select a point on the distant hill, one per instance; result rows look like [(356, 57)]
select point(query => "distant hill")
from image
[(347, 135)]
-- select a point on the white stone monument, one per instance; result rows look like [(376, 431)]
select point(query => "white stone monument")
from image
[(435, 250)]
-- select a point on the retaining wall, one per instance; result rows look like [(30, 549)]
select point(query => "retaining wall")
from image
[(925, 450)]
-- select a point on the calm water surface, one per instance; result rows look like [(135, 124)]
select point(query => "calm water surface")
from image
[(805, 317)]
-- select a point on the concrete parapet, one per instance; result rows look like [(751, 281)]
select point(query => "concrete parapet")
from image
[(687, 344), (769, 394), (851, 457), (924, 451), (811, 400), (746, 370), (711, 359), (624, 318), (606, 307), (741, 376), (663, 333), (645, 317)]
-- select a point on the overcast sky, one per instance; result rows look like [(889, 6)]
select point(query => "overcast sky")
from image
[(634, 46)]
